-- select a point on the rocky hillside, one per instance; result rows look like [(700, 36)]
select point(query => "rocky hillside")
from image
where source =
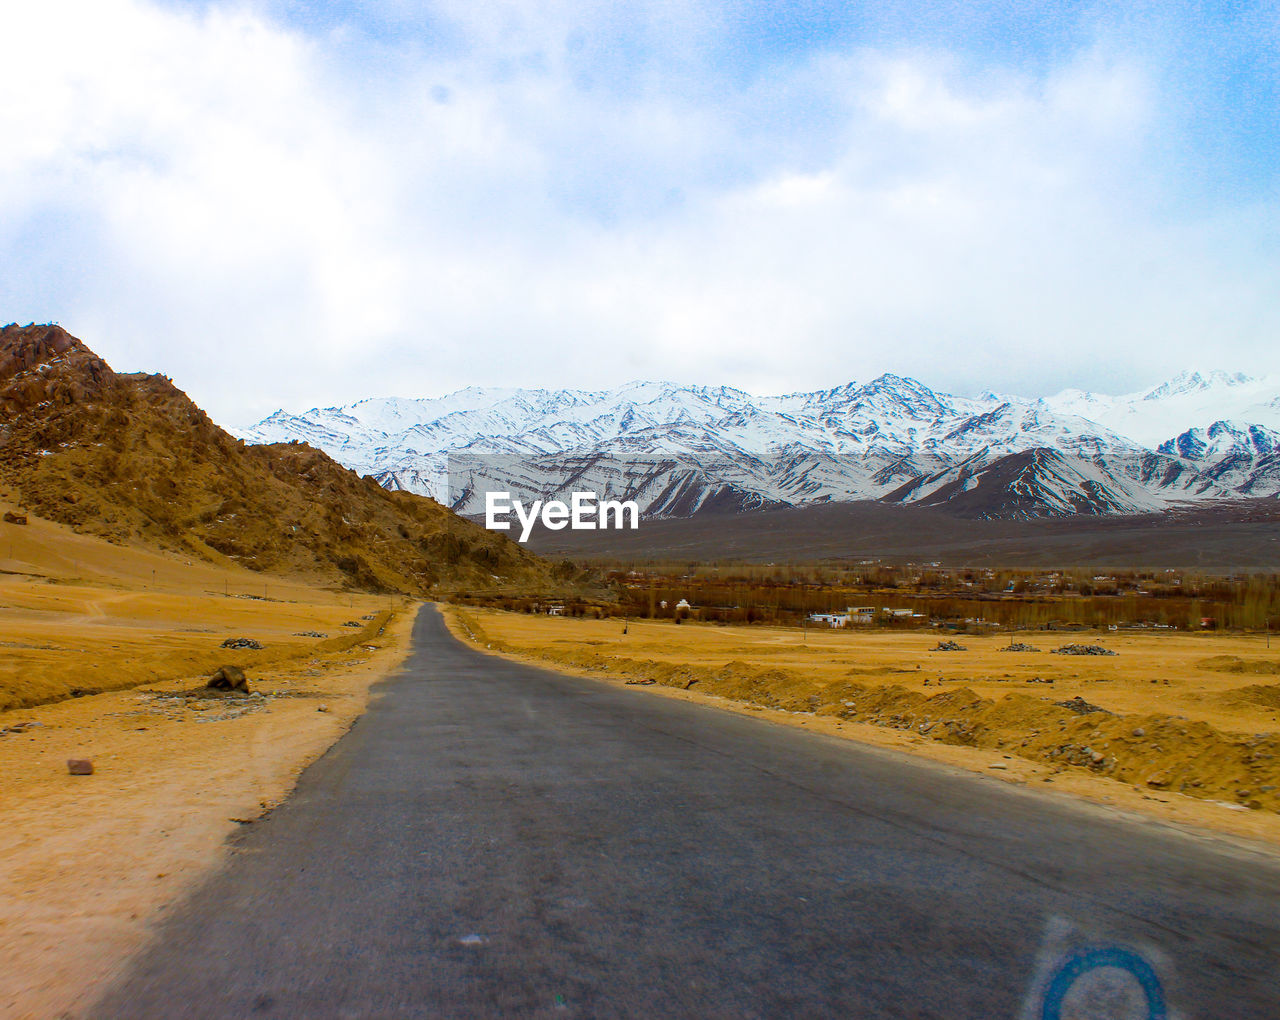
[(130, 457)]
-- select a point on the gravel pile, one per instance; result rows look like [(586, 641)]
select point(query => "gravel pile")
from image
[(1018, 646), (1082, 650), (949, 646), (309, 633), (1082, 754), (241, 642), (1081, 707)]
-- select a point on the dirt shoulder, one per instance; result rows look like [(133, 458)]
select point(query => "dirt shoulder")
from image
[(91, 862), (1174, 717)]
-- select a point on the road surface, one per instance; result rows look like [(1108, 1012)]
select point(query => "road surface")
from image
[(495, 840)]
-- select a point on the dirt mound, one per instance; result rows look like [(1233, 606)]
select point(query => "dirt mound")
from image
[(1262, 695), (1235, 664), (130, 457)]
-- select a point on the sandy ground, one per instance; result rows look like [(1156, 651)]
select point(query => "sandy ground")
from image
[(1181, 694), (90, 862), (78, 613)]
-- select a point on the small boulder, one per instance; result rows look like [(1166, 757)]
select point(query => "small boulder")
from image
[(11, 518), (229, 678), (79, 766)]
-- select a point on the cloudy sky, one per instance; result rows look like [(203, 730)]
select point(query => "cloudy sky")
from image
[(288, 204)]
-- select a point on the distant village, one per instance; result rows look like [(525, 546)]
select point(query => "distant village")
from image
[(874, 595)]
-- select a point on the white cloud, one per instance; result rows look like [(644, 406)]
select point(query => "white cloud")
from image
[(248, 210)]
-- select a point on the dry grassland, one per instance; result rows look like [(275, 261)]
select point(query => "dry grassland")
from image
[(89, 862), (78, 614), (1190, 731)]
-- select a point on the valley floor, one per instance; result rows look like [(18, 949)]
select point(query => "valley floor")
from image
[(89, 863), (1190, 731), (1216, 539)]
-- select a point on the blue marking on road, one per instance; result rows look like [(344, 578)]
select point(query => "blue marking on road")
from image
[(1086, 960)]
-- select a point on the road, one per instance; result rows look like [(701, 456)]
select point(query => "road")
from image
[(496, 840)]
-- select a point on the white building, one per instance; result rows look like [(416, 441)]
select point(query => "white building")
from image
[(851, 615)]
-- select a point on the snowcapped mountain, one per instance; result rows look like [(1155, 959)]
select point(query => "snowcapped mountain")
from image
[(1033, 483), (1189, 400), (1243, 458), (679, 450)]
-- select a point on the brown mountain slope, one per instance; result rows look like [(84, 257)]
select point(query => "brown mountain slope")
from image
[(131, 457)]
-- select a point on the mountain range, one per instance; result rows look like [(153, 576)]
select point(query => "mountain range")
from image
[(679, 450)]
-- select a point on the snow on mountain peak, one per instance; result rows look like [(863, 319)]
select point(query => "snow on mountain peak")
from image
[(854, 441), (1195, 382), (1188, 400)]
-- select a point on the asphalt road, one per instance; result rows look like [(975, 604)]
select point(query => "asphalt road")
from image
[(494, 840)]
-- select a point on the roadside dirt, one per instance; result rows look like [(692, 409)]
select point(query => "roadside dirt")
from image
[(90, 863), (1169, 727)]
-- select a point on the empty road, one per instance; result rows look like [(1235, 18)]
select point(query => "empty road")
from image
[(495, 840)]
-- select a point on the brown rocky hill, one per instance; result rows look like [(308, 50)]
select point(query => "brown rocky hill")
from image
[(130, 457)]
